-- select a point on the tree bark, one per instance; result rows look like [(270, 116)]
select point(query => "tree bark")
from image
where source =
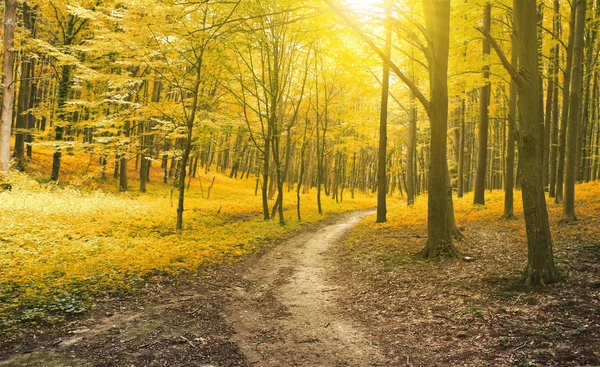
[(461, 152), (555, 111), (574, 113), (484, 99), (382, 153), (560, 170), (540, 263), (8, 85), (510, 153), (411, 178), (439, 241)]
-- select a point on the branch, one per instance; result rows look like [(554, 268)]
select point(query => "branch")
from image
[(416, 91), (514, 74)]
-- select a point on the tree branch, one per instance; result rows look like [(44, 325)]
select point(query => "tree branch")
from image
[(352, 24), (514, 74)]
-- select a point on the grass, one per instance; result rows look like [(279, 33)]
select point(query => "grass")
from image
[(63, 245)]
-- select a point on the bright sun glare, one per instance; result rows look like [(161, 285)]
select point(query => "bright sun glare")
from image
[(362, 4)]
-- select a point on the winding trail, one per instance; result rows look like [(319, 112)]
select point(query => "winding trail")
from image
[(287, 316)]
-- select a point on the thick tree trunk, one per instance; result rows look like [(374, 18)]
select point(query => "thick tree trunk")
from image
[(540, 265), (439, 241), (8, 85), (574, 113)]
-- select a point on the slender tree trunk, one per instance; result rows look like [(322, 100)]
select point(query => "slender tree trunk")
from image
[(548, 119), (510, 153), (123, 173), (484, 99), (189, 125), (381, 168), (461, 152), (574, 113), (555, 108), (560, 170), (63, 94), (411, 179), (22, 106)]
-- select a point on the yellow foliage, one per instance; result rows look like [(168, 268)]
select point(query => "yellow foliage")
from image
[(59, 246)]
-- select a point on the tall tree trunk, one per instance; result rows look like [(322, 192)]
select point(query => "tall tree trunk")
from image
[(540, 263), (439, 241), (461, 152), (574, 113), (560, 170), (510, 153), (382, 154), (22, 106), (189, 125), (555, 111), (8, 85), (63, 94), (548, 118), (411, 179), (484, 99)]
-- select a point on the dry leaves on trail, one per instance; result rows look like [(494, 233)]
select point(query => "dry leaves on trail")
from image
[(458, 312)]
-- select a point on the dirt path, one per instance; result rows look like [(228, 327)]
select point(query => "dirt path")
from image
[(287, 317)]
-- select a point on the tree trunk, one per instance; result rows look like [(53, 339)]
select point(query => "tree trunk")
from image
[(382, 154), (540, 263), (123, 173), (461, 152), (8, 85), (510, 154), (560, 170), (411, 178), (574, 113), (555, 111), (484, 99), (439, 241)]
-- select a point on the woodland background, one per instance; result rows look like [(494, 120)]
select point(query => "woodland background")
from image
[(218, 126)]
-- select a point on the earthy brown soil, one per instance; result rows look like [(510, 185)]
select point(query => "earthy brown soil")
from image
[(287, 317), (176, 323), (474, 312)]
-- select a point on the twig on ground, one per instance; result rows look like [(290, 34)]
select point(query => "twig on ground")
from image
[(188, 341)]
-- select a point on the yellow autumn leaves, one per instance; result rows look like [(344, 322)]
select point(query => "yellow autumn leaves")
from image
[(59, 242)]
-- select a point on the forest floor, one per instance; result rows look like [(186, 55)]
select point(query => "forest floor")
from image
[(275, 308), (346, 292), (86, 280)]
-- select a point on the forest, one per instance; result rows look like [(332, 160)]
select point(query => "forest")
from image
[(300, 182)]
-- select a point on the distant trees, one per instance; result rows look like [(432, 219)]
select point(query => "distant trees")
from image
[(277, 91)]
